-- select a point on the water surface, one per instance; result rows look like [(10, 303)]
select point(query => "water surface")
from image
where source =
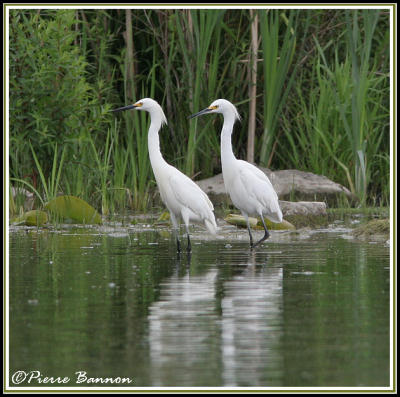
[(307, 309)]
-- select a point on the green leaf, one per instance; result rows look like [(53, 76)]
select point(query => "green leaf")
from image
[(74, 209)]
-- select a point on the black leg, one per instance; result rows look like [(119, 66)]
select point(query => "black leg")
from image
[(248, 228), (175, 230), (266, 235), (189, 257), (189, 246)]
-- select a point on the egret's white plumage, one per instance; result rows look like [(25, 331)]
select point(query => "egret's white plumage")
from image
[(249, 188), (180, 194)]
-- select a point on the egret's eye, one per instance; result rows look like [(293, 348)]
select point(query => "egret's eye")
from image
[(213, 107)]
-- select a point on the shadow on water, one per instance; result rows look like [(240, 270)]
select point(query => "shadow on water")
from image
[(121, 304)]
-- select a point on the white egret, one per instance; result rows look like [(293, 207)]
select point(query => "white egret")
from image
[(249, 188), (180, 194)]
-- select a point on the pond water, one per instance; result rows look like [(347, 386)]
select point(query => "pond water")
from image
[(304, 309)]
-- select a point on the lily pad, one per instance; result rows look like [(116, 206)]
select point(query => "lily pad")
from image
[(73, 209), (32, 218), (239, 220)]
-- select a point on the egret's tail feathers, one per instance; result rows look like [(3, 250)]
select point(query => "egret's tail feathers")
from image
[(274, 212), (211, 226), (275, 216)]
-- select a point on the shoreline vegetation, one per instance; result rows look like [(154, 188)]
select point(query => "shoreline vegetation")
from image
[(314, 96)]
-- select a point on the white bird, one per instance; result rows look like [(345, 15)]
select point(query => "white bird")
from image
[(249, 188), (180, 194)]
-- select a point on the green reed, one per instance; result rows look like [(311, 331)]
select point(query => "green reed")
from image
[(277, 59), (322, 80), (359, 91)]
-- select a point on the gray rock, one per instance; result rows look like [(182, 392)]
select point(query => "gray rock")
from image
[(302, 208), (213, 186), (289, 184)]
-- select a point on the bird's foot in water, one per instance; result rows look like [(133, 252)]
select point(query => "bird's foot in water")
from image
[(260, 241)]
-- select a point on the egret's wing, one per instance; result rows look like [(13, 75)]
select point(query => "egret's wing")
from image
[(260, 189), (188, 194), (191, 197), (256, 171)]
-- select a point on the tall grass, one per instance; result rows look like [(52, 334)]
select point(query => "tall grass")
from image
[(276, 66), (358, 93), (322, 96), (201, 44), (50, 184), (339, 113)]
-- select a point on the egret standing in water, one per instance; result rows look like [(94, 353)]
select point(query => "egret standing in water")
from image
[(180, 194), (249, 188)]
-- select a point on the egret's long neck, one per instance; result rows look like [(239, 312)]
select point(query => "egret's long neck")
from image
[(153, 140), (226, 143)]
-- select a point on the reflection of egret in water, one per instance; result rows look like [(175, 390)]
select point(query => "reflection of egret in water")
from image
[(223, 329), (251, 326), (183, 325)]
